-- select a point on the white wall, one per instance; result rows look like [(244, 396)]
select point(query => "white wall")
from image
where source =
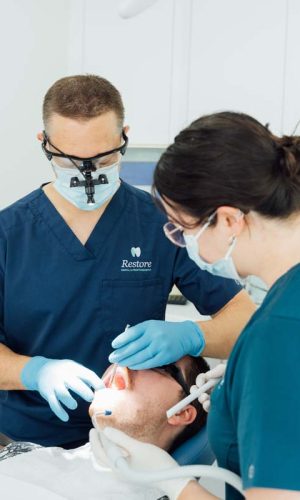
[(180, 59), (291, 98), (238, 56), (34, 38)]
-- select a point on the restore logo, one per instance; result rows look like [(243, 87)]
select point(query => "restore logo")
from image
[(136, 265)]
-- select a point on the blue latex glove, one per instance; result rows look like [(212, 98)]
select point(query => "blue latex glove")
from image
[(156, 343), (53, 377)]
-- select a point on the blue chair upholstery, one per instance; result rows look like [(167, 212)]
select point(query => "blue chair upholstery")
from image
[(195, 451)]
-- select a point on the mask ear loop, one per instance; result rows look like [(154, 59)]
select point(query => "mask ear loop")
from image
[(207, 223), (233, 238), (232, 244)]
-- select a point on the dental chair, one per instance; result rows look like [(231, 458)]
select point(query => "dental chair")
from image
[(193, 452)]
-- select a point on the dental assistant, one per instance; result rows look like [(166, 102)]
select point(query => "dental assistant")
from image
[(82, 257), (231, 190)]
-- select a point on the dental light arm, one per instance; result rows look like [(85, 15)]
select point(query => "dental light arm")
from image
[(130, 8)]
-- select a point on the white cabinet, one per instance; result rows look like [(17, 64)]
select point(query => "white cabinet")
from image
[(182, 58), (237, 58), (135, 55)]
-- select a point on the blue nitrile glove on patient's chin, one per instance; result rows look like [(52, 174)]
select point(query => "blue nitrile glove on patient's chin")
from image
[(156, 343), (53, 378)]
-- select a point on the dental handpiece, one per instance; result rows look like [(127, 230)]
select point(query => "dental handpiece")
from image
[(95, 415), (194, 395), (115, 366), (113, 452)]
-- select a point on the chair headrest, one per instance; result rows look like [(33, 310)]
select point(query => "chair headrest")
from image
[(195, 450)]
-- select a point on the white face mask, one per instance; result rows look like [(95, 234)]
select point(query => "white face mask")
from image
[(77, 195), (224, 267)]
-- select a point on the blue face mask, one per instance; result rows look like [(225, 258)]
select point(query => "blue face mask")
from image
[(77, 195), (224, 267)]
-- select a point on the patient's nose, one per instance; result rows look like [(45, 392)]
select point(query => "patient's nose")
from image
[(119, 381)]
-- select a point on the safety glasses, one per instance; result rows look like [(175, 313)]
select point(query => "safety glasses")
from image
[(175, 233), (101, 160), (170, 370), (173, 371)]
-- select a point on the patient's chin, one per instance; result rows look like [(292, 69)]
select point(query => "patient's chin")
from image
[(107, 421), (129, 428), (140, 428)]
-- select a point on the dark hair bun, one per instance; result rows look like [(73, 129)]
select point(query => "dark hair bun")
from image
[(230, 158), (289, 155)]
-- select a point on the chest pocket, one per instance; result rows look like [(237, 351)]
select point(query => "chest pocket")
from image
[(130, 302)]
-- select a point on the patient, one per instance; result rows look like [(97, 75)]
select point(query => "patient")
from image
[(138, 400)]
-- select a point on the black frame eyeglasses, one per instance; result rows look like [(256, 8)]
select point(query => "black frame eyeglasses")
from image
[(50, 154), (176, 374)]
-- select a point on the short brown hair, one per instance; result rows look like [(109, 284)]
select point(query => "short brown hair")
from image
[(82, 97), (195, 366)]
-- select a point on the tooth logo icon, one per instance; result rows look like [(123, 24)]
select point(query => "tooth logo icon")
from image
[(135, 251)]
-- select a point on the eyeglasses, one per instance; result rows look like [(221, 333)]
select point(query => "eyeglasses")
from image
[(172, 370), (175, 373), (175, 233), (101, 160)]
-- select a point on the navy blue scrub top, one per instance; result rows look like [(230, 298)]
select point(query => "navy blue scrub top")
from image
[(254, 420), (61, 299)]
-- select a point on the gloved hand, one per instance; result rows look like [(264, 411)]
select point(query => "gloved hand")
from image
[(216, 372), (142, 457), (156, 343), (53, 377)]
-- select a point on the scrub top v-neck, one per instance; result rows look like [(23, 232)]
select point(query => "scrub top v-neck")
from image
[(64, 300), (99, 236)]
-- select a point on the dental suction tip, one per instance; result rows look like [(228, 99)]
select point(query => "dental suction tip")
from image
[(104, 412)]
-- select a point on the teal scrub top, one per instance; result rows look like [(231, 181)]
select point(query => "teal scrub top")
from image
[(254, 421)]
